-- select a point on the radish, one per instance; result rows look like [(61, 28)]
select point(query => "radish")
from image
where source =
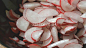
[(83, 40), (13, 14), (73, 16), (83, 16), (9, 17), (66, 6), (59, 43), (23, 1), (14, 39), (13, 24), (46, 4), (21, 42), (21, 10), (34, 46), (54, 33), (38, 10), (78, 12), (47, 42), (34, 17), (15, 30), (31, 5), (29, 32), (81, 33), (21, 34), (22, 24), (55, 2), (80, 25), (31, 0), (73, 45), (46, 35), (36, 35)]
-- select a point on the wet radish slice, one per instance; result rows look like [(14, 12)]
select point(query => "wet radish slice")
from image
[(34, 46)]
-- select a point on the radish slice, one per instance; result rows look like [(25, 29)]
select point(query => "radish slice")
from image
[(22, 24), (9, 17), (55, 2), (38, 10), (81, 6), (36, 35), (43, 24), (49, 12), (21, 34), (73, 45), (46, 4), (21, 10), (83, 16), (13, 14), (83, 40), (59, 21), (33, 17), (34, 46), (29, 32), (81, 33), (46, 35), (59, 43), (14, 39), (73, 16), (80, 25), (73, 41), (47, 42), (13, 24), (21, 42), (73, 20), (74, 3), (54, 33), (15, 30), (66, 6), (68, 29), (31, 5), (78, 12)]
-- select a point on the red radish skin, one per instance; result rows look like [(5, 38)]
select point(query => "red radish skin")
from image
[(36, 35), (15, 30), (14, 39), (13, 24), (13, 14), (34, 46)]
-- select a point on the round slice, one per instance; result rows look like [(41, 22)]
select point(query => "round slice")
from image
[(36, 35), (29, 32), (34, 46), (46, 4), (22, 24)]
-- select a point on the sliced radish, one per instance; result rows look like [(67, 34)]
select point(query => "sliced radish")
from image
[(81, 33), (55, 2), (74, 3), (9, 17), (81, 6), (78, 12), (36, 35), (61, 43), (73, 45), (46, 35), (21, 34), (66, 6), (21, 42), (83, 15), (13, 14), (43, 24), (29, 32), (38, 10), (73, 41), (48, 12), (14, 39), (33, 17), (68, 29), (47, 42), (13, 24), (21, 10), (15, 30), (73, 20), (31, 5), (34, 46), (59, 21), (22, 24), (24, 14), (46, 4), (54, 33), (80, 25), (83, 40), (73, 16)]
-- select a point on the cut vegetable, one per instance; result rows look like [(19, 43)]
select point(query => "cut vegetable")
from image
[(34, 46), (22, 24)]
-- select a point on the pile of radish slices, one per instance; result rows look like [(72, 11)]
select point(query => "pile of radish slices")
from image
[(50, 23)]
